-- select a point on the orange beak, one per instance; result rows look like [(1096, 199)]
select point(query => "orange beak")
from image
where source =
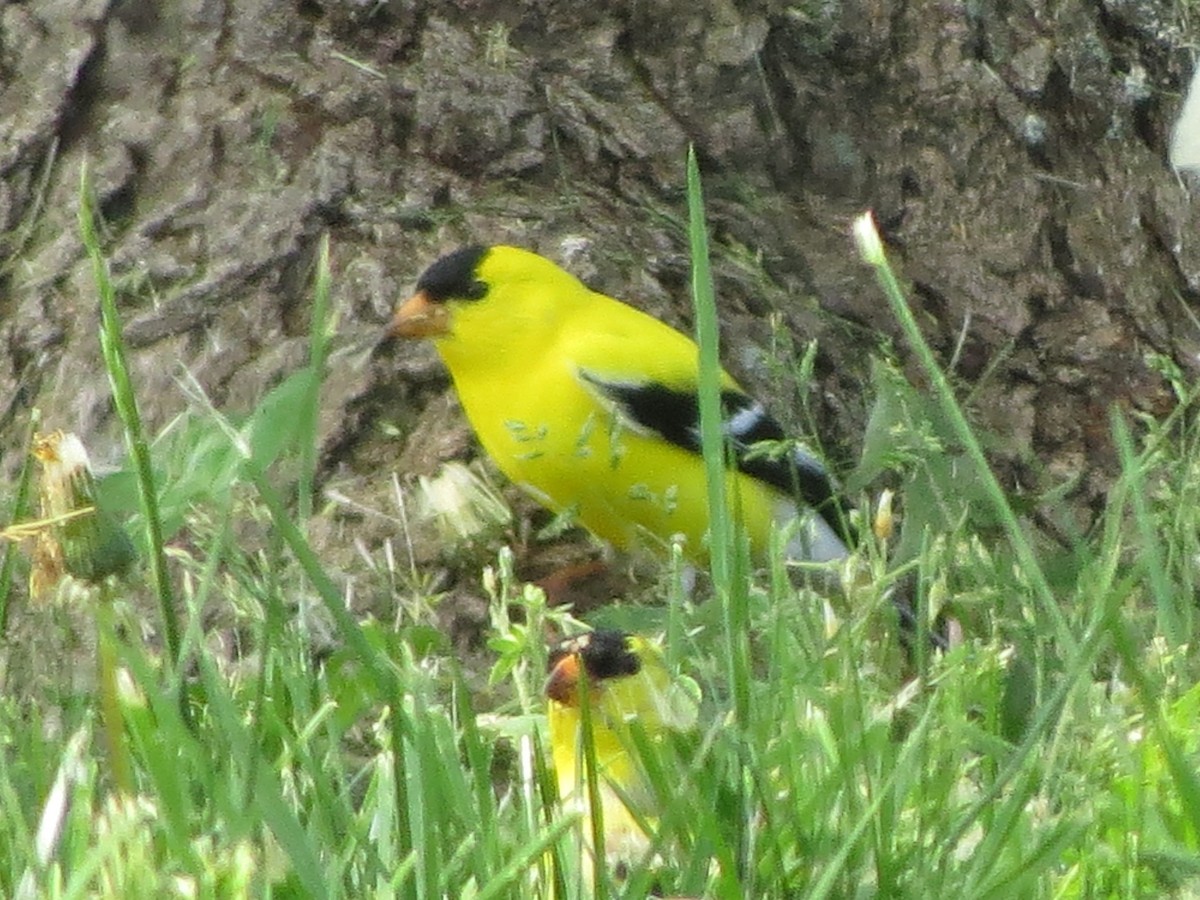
[(564, 678), (420, 317)]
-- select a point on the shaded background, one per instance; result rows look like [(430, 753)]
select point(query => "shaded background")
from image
[(1014, 153)]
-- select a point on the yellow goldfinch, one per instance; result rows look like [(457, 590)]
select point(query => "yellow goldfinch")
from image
[(627, 686), (592, 407)]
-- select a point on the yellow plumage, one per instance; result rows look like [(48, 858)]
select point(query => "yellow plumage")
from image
[(589, 404), (628, 687)]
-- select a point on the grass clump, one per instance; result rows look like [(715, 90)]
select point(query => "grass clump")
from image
[(1050, 754)]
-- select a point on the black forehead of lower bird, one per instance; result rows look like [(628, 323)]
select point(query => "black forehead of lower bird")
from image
[(607, 655), (453, 276)]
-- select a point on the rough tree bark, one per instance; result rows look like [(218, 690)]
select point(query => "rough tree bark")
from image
[(1014, 151)]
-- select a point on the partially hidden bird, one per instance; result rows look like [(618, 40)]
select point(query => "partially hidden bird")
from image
[(626, 685), (592, 406)]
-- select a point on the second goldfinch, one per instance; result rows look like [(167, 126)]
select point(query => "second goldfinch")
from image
[(591, 405), (627, 685)]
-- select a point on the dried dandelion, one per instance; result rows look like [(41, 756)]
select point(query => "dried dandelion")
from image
[(77, 537), (75, 534), (462, 504)]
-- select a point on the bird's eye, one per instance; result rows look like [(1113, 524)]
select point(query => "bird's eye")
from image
[(475, 290)]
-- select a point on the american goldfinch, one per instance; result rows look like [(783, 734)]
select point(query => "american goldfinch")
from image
[(592, 407), (626, 683)]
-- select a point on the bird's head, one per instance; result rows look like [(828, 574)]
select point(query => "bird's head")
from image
[(453, 279), (480, 301), (600, 657), (626, 680)]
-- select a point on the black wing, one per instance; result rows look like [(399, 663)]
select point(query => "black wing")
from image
[(675, 417)]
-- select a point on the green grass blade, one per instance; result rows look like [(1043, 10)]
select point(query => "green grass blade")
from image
[(722, 534), (1172, 619), (528, 854), (1048, 604), (19, 510), (267, 802), (709, 386), (112, 345), (320, 333), (385, 681), (591, 777)]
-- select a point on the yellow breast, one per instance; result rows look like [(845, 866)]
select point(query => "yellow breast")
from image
[(548, 433), (623, 836)]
